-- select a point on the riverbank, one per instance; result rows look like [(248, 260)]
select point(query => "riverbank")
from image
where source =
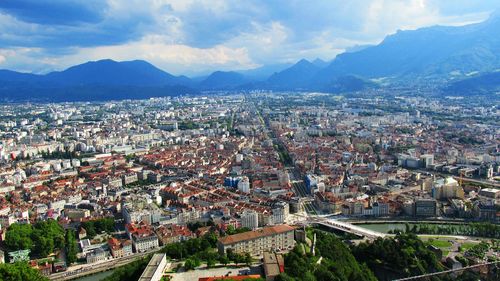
[(479, 230)]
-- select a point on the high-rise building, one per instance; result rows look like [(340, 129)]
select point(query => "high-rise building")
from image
[(250, 219)]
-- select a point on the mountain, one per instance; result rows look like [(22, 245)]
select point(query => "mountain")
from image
[(96, 80), (320, 63), (294, 77), (347, 83), (110, 72), (220, 80), (263, 72), (481, 84), (432, 52), (8, 75)]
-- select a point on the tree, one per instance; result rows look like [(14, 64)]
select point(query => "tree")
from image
[(224, 259), (18, 237), (210, 263), (131, 271), (191, 263), (41, 238), (19, 271), (71, 247), (247, 259)]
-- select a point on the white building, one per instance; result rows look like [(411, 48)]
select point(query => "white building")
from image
[(250, 219), (244, 185)]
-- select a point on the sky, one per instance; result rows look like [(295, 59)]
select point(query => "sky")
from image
[(195, 37)]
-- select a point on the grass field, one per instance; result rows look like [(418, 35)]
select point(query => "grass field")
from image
[(440, 243), (467, 245)]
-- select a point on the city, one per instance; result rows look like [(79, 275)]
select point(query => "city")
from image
[(257, 140), (131, 177)]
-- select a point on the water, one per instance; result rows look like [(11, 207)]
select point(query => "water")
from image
[(386, 227), (383, 227), (95, 277)]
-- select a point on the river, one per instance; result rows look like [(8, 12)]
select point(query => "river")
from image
[(386, 227)]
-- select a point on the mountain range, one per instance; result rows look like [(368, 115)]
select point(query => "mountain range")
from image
[(461, 59)]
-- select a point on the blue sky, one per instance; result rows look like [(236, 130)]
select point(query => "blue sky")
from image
[(198, 36)]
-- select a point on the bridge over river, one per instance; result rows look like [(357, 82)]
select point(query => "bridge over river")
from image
[(342, 226)]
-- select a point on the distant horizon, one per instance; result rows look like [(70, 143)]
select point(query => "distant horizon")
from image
[(196, 38)]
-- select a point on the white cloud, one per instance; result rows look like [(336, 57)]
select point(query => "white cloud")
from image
[(175, 58), (193, 36)]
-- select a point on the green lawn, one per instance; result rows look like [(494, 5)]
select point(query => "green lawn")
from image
[(440, 243), (467, 245)]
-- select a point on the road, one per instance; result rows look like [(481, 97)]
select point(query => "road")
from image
[(299, 188), (87, 269), (298, 185)]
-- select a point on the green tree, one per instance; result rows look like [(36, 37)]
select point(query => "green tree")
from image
[(131, 271), (18, 237), (247, 259), (41, 238), (210, 263), (19, 271), (71, 247), (224, 260)]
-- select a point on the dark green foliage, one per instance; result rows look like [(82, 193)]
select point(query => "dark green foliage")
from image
[(18, 237), (478, 229), (97, 226), (71, 247), (404, 255), (19, 271), (192, 263), (232, 230), (478, 251), (42, 238), (337, 264), (131, 271), (59, 154)]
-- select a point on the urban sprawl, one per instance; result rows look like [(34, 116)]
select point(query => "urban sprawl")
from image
[(114, 181)]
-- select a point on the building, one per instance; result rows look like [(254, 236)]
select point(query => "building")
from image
[(273, 238), (425, 207), (273, 265), (380, 209), (427, 160), (173, 233), (244, 185), (155, 268), (120, 248), (446, 189), (485, 211), (490, 193), (311, 182), (230, 278), (250, 219), (96, 255), (280, 210), (142, 236)]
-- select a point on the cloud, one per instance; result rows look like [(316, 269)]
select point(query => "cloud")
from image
[(188, 36), (58, 12)]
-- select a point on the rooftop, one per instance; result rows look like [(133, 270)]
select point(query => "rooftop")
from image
[(250, 235)]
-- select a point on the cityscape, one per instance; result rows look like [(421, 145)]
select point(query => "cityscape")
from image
[(116, 170)]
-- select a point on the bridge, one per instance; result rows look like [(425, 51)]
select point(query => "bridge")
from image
[(343, 226)]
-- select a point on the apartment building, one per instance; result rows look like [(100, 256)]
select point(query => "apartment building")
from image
[(279, 238)]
